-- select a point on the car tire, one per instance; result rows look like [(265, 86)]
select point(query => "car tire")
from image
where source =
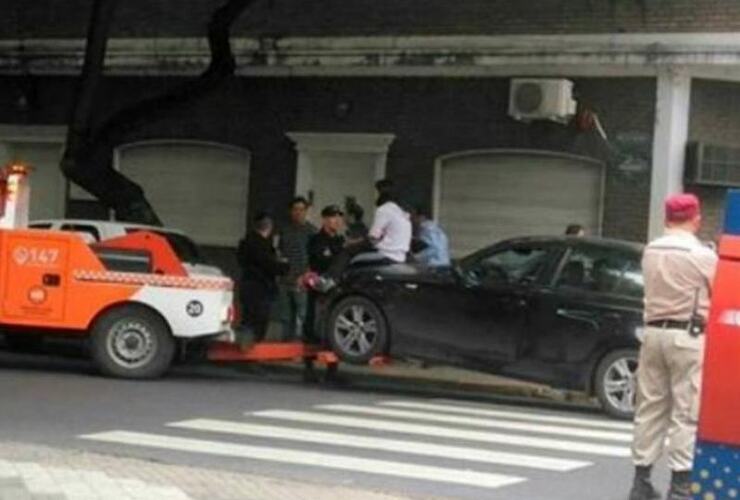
[(132, 342), (357, 331), (615, 383)]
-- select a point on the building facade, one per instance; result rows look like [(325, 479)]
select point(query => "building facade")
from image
[(329, 96)]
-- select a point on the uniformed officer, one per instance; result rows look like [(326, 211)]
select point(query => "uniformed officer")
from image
[(678, 271), (323, 247), (328, 242)]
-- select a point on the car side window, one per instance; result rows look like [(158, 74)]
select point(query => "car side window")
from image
[(511, 265), (90, 233), (599, 270), (632, 282)]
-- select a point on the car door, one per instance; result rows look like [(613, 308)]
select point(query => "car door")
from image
[(595, 296), (475, 315)]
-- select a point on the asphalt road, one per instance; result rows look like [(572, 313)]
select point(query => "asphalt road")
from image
[(272, 424)]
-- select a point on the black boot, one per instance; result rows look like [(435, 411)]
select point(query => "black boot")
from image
[(680, 486), (642, 488)]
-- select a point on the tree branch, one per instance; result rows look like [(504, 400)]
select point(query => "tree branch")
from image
[(95, 172)]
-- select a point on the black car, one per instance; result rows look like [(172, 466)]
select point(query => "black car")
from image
[(556, 310)]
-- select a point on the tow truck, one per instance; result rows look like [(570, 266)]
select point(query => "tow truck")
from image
[(131, 296)]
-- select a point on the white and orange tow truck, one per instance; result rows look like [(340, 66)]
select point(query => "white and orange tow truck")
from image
[(131, 297)]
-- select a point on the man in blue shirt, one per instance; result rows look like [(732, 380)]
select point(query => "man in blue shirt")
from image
[(435, 248)]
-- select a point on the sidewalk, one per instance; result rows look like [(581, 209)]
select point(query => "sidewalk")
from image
[(30, 472)]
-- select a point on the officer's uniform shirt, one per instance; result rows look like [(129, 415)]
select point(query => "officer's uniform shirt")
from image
[(322, 248), (675, 267)]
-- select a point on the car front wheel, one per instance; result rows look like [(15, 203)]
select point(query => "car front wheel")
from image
[(616, 383), (357, 330)]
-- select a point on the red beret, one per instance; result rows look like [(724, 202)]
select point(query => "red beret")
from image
[(681, 207)]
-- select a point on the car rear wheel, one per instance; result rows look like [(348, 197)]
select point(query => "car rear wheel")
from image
[(616, 383), (357, 330), (132, 342)]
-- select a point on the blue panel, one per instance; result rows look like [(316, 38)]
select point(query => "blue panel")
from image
[(716, 473), (732, 213)]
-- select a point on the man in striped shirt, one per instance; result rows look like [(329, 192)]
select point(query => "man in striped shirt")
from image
[(293, 246)]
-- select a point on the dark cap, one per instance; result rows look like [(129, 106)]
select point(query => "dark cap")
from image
[(331, 211)]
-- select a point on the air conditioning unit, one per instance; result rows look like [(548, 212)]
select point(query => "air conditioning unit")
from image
[(710, 165), (542, 99)]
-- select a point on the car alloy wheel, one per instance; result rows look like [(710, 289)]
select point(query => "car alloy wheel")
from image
[(620, 384), (355, 330)]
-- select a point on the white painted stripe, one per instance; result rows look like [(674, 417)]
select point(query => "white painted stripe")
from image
[(444, 432), (392, 445), (309, 458), (516, 415), (481, 422)]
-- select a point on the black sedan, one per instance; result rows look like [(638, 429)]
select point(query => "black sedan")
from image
[(561, 311)]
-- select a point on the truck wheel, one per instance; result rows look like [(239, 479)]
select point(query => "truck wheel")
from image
[(357, 330), (132, 342), (616, 383)]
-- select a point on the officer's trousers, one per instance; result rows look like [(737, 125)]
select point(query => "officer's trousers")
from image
[(668, 393)]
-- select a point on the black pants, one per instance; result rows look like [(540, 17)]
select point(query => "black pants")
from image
[(256, 301)]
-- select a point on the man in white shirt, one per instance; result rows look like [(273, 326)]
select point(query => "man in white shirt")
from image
[(388, 242), (391, 231)]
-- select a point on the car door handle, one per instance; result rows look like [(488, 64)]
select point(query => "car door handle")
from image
[(411, 286)]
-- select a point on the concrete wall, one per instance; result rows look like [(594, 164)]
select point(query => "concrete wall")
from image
[(715, 120), (161, 18), (430, 118)]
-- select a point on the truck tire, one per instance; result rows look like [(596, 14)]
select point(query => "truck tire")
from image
[(616, 383), (357, 330), (132, 342)]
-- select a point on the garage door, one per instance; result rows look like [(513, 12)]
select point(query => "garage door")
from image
[(47, 182), (485, 197), (199, 188)]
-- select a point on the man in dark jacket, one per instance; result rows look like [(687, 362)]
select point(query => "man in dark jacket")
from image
[(323, 247), (260, 269)]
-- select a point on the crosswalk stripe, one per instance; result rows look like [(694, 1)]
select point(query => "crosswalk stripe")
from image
[(444, 432), (300, 457), (533, 417), (392, 445), (480, 422)]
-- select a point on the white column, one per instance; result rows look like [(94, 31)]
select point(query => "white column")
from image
[(672, 105)]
